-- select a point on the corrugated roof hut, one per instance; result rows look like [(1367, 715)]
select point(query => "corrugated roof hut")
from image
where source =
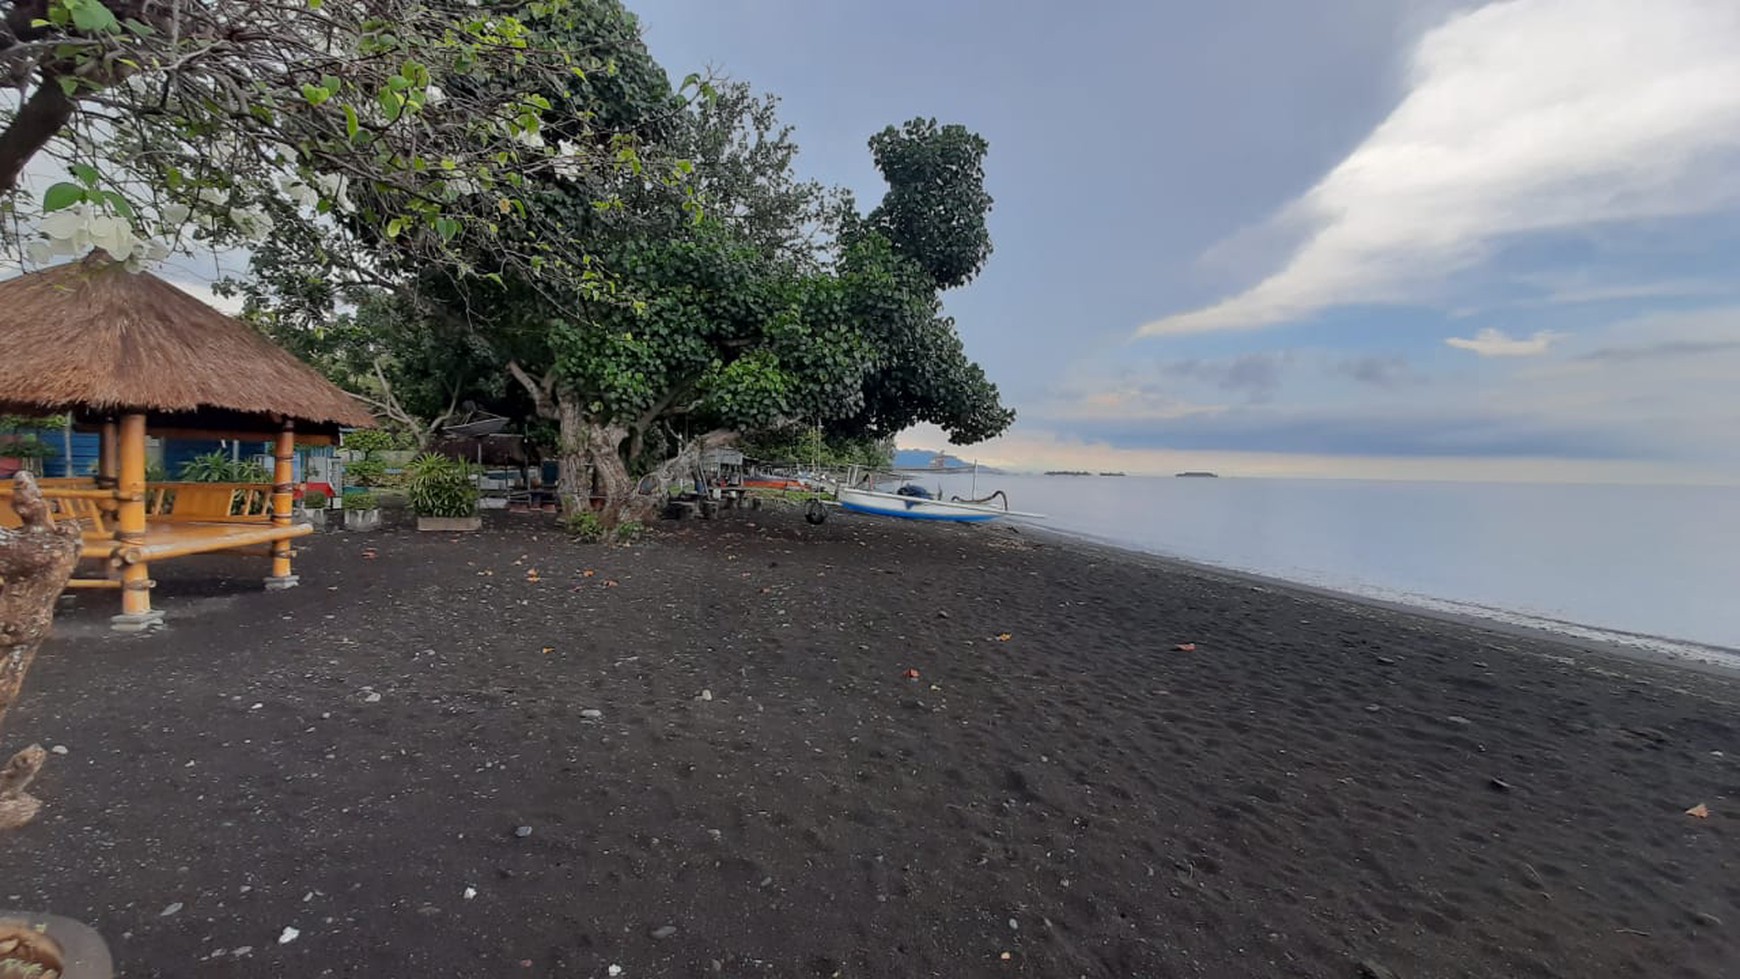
[(125, 352)]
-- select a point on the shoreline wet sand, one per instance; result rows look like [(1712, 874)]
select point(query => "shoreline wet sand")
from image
[(727, 767)]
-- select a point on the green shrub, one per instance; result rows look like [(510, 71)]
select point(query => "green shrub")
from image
[(216, 467), (371, 440), (629, 531), (360, 501), (314, 500), (440, 487), (368, 472), (584, 526)]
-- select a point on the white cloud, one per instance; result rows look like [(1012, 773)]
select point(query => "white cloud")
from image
[(203, 293), (1497, 343), (1520, 116)]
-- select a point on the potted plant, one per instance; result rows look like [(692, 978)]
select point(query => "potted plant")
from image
[(442, 494), (314, 504), (362, 511)]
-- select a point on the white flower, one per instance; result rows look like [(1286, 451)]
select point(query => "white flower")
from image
[(335, 189), (64, 224), (213, 195), (529, 137), (175, 213), (299, 192), (251, 223), (39, 251)]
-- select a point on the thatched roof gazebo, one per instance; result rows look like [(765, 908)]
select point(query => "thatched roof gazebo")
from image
[(124, 352)]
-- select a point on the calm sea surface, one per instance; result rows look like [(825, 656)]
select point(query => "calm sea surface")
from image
[(1652, 566)]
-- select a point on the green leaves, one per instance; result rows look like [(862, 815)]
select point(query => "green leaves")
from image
[(89, 16), (61, 196)]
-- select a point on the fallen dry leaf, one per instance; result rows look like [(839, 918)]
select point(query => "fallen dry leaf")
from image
[(1700, 810), (548, 650), (1185, 647), (1004, 636), (610, 582), (912, 674), (587, 573)]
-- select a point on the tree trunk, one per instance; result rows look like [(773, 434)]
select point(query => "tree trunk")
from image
[(571, 454), (35, 563), (610, 473)]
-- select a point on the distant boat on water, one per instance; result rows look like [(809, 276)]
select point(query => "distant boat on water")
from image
[(1067, 472), (1199, 475), (1111, 474)]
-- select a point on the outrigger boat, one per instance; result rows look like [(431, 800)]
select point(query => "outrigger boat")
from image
[(858, 493)]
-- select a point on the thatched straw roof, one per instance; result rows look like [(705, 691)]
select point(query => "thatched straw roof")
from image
[(93, 337)]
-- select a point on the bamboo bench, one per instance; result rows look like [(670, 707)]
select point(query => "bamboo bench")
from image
[(182, 519)]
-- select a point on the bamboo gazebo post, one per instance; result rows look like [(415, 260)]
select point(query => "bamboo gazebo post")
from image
[(108, 460), (283, 499), (137, 614)]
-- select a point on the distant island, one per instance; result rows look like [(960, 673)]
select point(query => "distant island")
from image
[(932, 459), (1111, 474), (1198, 475), (1067, 472)]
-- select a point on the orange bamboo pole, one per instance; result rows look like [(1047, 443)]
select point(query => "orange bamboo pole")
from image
[(108, 462), (136, 612), (283, 499)]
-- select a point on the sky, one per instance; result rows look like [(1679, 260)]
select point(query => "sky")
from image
[(1372, 238)]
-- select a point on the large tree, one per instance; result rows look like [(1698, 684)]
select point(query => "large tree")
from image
[(374, 139)]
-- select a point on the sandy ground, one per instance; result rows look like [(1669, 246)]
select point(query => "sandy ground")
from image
[(708, 755)]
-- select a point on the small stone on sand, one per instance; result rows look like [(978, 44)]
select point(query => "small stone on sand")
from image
[(663, 932)]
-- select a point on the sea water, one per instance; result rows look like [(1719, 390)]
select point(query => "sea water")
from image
[(1656, 567)]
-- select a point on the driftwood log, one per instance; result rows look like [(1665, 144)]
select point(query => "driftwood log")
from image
[(35, 562)]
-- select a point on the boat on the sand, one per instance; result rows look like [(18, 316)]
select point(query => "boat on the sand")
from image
[(858, 493)]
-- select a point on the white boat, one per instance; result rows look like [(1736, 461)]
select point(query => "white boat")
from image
[(919, 505)]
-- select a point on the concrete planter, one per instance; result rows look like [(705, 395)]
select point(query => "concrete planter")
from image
[(48, 943), (315, 518), (362, 519), (450, 524)]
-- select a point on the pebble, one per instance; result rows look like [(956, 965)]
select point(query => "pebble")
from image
[(374, 697), (288, 935), (615, 970), (1372, 708), (706, 695), (166, 912), (716, 834), (1718, 754), (470, 892), (1369, 969), (244, 950), (1459, 719), (1014, 925), (663, 932), (1499, 784), (59, 749), (522, 831), (592, 713), (1706, 918)]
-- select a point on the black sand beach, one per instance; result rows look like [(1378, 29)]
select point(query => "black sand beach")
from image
[(727, 768)]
